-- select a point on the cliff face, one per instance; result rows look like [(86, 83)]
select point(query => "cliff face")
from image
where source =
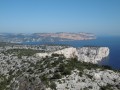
[(86, 54), (67, 52), (92, 54)]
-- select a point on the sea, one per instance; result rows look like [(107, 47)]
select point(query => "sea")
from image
[(113, 42)]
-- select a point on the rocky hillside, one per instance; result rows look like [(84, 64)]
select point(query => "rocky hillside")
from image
[(21, 69)]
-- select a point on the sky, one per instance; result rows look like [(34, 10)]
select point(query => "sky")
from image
[(100, 17)]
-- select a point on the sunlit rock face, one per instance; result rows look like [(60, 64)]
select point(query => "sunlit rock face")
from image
[(92, 54), (85, 54), (67, 52), (42, 55)]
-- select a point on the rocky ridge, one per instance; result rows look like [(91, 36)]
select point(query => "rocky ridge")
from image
[(21, 69), (85, 54)]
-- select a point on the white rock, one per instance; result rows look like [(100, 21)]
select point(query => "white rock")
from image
[(42, 55), (86, 54), (67, 52), (92, 54)]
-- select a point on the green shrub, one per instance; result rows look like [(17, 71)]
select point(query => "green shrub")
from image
[(80, 74), (107, 87), (43, 78), (56, 76), (66, 72), (61, 67), (30, 71), (53, 86), (89, 76)]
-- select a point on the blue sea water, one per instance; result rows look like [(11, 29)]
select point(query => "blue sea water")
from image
[(113, 42)]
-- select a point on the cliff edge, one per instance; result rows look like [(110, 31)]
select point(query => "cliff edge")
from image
[(84, 54), (92, 54)]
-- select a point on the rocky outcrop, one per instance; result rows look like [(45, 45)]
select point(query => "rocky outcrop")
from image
[(90, 80), (67, 52), (86, 54), (92, 54)]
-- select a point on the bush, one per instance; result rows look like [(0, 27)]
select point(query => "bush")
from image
[(89, 76), (30, 71), (61, 67), (66, 72), (53, 86), (55, 55), (55, 63), (107, 87), (56, 76), (43, 78), (80, 74)]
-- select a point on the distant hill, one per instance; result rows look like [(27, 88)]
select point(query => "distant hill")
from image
[(6, 44), (48, 37)]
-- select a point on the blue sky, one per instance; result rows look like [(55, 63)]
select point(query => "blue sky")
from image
[(32, 16)]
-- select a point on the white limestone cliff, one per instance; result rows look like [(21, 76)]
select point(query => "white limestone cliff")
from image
[(67, 52), (86, 54), (92, 54)]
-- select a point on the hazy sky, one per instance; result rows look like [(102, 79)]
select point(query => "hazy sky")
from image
[(32, 16)]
